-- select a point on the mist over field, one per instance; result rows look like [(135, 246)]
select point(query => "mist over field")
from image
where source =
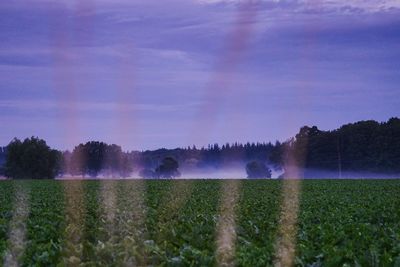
[(239, 172)]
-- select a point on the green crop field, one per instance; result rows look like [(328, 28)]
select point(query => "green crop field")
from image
[(175, 223)]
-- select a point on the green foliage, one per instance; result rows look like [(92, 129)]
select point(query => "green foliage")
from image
[(173, 223), (259, 208), (93, 225), (349, 223), (6, 200), (31, 159), (45, 225), (181, 223)]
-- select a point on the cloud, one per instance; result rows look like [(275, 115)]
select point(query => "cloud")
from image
[(364, 5), (165, 53), (86, 7), (337, 6)]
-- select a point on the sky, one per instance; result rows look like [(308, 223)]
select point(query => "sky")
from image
[(172, 73)]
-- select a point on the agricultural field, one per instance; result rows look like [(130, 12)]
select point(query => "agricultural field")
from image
[(180, 222)]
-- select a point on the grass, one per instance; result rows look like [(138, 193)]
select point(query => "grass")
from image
[(174, 223)]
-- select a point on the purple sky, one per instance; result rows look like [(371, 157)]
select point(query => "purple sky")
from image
[(150, 74)]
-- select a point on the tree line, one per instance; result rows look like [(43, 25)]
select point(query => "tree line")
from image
[(3, 153), (362, 146), (213, 156)]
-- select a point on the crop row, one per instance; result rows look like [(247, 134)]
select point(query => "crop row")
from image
[(175, 223)]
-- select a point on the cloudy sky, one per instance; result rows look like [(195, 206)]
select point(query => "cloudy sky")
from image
[(171, 73)]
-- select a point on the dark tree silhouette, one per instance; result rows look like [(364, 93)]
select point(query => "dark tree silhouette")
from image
[(256, 169), (77, 161), (168, 168), (32, 159), (366, 146), (3, 155), (95, 157)]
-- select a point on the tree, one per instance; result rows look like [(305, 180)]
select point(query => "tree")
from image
[(77, 161), (125, 168), (256, 169), (95, 157), (32, 159), (168, 168)]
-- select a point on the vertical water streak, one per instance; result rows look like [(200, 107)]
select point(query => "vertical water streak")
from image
[(226, 225), (17, 232)]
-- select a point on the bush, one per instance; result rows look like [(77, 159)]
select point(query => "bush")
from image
[(257, 169)]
